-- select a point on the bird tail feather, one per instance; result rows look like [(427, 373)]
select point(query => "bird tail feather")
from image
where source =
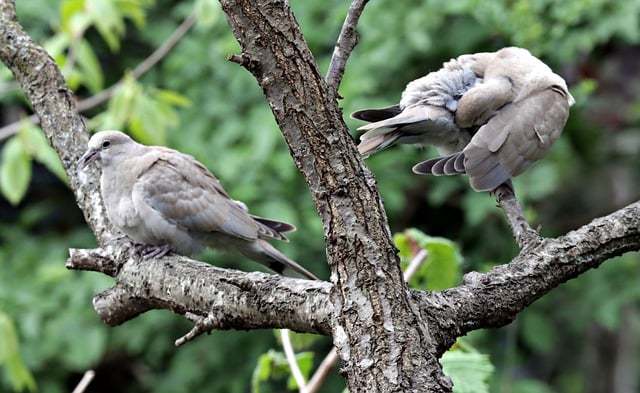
[(278, 262)]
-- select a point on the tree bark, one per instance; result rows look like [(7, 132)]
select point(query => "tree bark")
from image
[(372, 312), (388, 337)]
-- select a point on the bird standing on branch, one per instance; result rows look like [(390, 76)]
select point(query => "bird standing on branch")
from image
[(491, 115), (167, 201)]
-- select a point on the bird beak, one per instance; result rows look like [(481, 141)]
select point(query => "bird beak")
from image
[(88, 157), (571, 99)]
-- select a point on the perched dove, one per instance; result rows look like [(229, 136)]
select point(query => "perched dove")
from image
[(491, 115), (167, 201)]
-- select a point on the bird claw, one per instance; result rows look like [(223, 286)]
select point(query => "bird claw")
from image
[(147, 251)]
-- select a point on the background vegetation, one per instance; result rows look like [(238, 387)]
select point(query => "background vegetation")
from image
[(583, 337)]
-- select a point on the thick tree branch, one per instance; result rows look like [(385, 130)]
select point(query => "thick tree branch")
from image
[(228, 299), (495, 298)]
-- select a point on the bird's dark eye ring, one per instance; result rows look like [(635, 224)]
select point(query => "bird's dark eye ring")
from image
[(106, 144)]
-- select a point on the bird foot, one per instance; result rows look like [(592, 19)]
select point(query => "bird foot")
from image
[(147, 251)]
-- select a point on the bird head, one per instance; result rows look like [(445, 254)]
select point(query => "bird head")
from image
[(104, 146)]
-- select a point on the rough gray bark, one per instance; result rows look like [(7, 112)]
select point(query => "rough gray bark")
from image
[(389, 338), (368, 290)]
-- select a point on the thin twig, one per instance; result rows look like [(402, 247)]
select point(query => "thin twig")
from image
[(323, 371), (201, 325), (347, 40), (85, 381), (524, 235), (293, 362), (104, 95), (332, 357), (415, 264)]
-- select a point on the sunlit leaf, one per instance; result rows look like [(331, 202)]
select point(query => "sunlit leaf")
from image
[(440, 269), (73, 19), (207, 12), (469, 370)]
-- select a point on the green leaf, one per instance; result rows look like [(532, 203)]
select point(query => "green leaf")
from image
[(73, 19), (36, 144), (305, 364), (17, 373), (120, 104), (274, 365), (171, 97), (441, 268), (89, 66), (15, 171), (207, 12), (108, 21), (469, 370), (262, 372)]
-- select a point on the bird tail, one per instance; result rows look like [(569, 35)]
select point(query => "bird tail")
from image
[(370, 144), (273, 229), (448, 165), (424, 125), (375, 115), (485, 174), (263, 252)]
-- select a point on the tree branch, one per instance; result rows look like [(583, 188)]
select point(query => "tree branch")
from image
[(525, 236), (347, 40), (228, 299), (495, 298)]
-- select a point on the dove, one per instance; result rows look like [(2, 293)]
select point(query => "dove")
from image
[(491, 115), (167, 201)]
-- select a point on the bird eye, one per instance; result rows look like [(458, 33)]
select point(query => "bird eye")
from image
[(106, 144), (559, 90)]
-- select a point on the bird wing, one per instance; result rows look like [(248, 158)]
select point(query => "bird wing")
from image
[(518, 135), (481, 102), (186, 194)]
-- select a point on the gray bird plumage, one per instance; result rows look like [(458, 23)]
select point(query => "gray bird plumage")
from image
[(491, 115), (167, 201)]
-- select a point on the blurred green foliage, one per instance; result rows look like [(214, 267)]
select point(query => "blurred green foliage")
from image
[(196, 101)]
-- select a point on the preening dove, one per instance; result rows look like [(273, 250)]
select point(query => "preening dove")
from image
[(167, 201), (491, 115)]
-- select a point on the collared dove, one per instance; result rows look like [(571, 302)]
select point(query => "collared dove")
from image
[(491, 115), (167, 201)]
